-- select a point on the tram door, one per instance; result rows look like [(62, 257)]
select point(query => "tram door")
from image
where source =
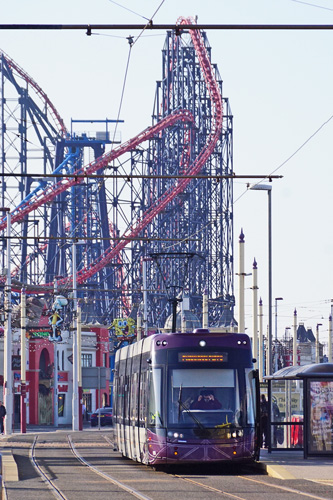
[(135, 450), (143, 416)]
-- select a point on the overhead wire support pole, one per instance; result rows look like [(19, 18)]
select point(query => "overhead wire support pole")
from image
[(8, 378), (55, 374), (23, 363), (75, 400)]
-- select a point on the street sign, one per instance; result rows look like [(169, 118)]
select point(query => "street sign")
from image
[(94, 377)]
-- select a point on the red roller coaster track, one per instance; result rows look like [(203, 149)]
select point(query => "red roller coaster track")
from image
[(194, 168), (57, 118)]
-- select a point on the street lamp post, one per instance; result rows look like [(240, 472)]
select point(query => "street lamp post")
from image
[(317, 342), (268, 188), (276, 328), (276, 335)]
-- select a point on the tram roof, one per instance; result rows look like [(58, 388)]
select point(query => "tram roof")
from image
[(321, 370)]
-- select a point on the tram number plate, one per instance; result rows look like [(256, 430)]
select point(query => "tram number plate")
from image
[(188, 357)]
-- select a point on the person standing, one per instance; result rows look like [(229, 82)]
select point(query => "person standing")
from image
[(263, 421), (2, 415), (83, 411)]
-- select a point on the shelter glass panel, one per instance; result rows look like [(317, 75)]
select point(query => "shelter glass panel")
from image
[(321, 416)]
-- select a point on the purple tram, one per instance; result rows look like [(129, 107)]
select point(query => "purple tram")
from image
[(187, 398)]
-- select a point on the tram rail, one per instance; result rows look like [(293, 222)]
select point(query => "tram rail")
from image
[(94, 452), (56, 491)]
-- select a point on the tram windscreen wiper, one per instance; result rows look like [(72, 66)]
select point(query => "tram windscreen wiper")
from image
[(180, 404), (185, 408)]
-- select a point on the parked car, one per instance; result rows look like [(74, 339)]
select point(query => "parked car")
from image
[(105, 415)]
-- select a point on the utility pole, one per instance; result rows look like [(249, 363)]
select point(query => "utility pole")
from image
[(8, 377), (295, 360), (261, 344), (23, 362), (79, 368), (55, 372), (241, 311), (75, 400), (255, 313)]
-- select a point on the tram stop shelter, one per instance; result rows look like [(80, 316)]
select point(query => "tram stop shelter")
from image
[(300, 399)]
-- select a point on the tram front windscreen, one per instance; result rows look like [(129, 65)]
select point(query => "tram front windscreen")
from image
[(209, 397)]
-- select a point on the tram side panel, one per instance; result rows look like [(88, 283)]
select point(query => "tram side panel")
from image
[(127, 403), (131, 405)]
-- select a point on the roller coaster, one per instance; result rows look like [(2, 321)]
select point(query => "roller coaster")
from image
[(150, 218)]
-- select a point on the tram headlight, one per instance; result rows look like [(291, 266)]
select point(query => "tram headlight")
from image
[(240, 433), (164, 342), (234, 434), (202, 343), (158, 342), (175, 435)]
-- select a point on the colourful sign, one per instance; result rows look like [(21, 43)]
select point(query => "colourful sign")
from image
[(38, 332)]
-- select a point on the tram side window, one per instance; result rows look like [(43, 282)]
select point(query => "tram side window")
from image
[(155, 397), (250, 396), (135, 390), (120, 399), (143, 398), (127, 391), (120, 392), (126, 399)]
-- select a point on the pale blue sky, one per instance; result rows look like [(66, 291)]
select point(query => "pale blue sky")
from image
[(280, 89)]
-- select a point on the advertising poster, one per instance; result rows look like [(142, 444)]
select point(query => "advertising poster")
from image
[(321, 416)]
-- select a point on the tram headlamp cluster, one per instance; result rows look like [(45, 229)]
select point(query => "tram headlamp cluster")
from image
[(175, 435), (235, 434), (161, 342), (239, 342)]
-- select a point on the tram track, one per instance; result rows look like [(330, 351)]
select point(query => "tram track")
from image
[(56, 491), (50, 484), (109, 478), (285, 489), (75, 466)]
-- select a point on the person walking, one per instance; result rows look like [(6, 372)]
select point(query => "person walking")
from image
[(2, 415)]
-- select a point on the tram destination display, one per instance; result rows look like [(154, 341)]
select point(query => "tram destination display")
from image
[(190, 357)]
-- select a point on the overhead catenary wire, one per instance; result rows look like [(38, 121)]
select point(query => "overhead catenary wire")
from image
[(131, 43), (312, 5), (270, 177), (142, 27), (129, 10)]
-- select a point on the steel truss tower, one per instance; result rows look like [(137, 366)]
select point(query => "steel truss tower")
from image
[(190, 243)]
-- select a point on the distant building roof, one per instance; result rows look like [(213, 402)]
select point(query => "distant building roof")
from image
[(305, 335), (192, 321)]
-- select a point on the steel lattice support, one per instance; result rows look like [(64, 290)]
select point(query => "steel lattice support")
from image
[(28, 137), (200, 216), (34, 141), (182, 229)]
